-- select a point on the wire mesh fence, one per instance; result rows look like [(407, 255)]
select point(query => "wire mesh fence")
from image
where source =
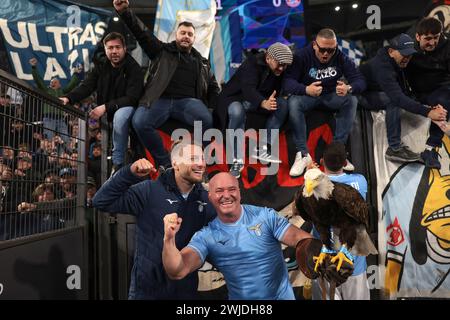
[(42, 161)]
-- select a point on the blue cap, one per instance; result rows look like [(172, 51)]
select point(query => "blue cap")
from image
[(404, 44)]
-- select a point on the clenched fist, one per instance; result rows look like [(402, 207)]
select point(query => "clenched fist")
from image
[(33, 62), (120, 5), (172, 224), (341, 89), (142, 168)]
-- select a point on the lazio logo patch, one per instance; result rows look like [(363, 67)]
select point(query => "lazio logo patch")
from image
[(256, 228)]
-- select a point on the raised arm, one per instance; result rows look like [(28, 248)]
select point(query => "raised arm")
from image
[(149, 43), (178, 264), (74, 81), (36, 77)]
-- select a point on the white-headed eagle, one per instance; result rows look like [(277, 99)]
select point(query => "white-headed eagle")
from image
[(331, 204)]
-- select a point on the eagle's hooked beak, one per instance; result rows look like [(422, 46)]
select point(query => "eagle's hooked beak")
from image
[(310, 185)]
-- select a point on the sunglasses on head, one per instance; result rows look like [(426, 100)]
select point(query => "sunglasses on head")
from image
[(323, 50)]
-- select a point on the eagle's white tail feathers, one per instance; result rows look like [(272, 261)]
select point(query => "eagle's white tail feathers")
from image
[(363, 244)]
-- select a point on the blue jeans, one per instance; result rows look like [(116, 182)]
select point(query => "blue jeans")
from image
[(121, 123), (346, 112), (237, 116), (58, 126), (377, 100), (439, 96), (146, 120)]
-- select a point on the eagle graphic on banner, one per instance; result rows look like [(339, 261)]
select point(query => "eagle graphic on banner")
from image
[(416, 213)]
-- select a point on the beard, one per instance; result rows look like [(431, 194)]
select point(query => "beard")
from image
[(193, 179), (184, 47)]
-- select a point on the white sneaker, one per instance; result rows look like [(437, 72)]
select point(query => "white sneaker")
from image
[(349, 166), (300, 164), (264, 156)]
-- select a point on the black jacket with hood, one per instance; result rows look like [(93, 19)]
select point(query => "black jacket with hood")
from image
[(165, 58), (126, 86), (427, 71)]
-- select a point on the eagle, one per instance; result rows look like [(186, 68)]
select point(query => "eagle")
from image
[(331, 204)]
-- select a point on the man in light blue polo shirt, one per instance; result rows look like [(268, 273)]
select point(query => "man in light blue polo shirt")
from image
[(243, 243)]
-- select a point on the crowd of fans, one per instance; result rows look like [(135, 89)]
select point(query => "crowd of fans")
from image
[(39, 164)]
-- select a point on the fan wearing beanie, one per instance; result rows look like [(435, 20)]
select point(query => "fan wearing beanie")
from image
[(255, 87)]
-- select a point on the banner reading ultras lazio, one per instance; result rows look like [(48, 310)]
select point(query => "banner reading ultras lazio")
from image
[(61, 35)]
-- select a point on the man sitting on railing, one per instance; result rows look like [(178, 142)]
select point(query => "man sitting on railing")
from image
[(314, 80), (118, 80), (429, 75), (389, 89), (256, 87), (181, 85)]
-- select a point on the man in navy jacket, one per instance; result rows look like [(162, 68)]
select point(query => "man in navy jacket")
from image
[(389, 89), (313, 80), (177, 190)]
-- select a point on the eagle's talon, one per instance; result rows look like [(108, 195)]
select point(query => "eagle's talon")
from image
[(319, 260), (343, 255), (324, 254)]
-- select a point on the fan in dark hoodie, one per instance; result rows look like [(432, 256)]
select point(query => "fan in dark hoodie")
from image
[(390, 90), (313, 80)]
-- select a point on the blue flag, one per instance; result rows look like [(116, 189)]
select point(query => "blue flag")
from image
[(61, 35)]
